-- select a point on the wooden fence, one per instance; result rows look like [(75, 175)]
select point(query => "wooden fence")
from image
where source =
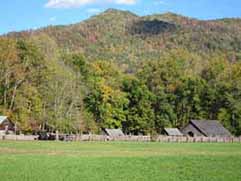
[(186, 139), (19, 137), (163, 139), (174, 139)]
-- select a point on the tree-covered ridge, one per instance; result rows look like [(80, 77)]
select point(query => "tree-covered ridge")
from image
[(121, 36), (119, 70)]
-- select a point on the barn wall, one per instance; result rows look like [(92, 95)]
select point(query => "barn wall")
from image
[(7, 123), (191, 128)]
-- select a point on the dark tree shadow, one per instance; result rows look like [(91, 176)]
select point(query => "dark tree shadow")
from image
[(151, 27)]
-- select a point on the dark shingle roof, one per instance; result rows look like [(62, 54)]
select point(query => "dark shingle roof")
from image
[(114, 132), (173, 132), (210, 127)]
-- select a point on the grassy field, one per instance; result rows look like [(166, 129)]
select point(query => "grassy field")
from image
[(51, 161)]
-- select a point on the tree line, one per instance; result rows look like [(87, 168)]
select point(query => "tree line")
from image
[(72, 94)]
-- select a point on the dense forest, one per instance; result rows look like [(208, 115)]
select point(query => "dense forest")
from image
[(119, 70)]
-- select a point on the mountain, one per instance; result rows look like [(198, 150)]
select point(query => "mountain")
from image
[(121, 70), (126, 37)]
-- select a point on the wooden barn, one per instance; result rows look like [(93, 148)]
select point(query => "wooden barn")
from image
[(113, 132), (6, 125), (172, 132), (207, 128)]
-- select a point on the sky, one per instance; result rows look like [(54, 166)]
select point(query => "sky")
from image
[(17, 15)]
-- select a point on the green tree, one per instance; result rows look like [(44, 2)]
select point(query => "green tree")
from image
[(140, 118)]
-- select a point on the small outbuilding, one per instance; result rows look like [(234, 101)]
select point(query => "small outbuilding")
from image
[(207, 128), (6, 125), (172, 132), (113, 132)]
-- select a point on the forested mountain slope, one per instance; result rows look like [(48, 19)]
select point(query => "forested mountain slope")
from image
[(118, 69), (121, 36)]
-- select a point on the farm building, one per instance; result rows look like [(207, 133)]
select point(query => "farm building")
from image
[(172, 132), (208, 128), (6, 125), (113, 132)]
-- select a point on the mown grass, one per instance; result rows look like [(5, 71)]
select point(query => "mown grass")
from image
[(35, 161)]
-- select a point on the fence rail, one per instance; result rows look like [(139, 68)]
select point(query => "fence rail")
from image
[(176, 139), (19, 137), (164, 139)]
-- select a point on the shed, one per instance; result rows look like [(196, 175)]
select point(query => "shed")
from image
[(208, 128), (6, 124), (113, 132), (172, 132)]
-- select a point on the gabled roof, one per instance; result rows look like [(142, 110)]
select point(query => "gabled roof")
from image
[(3, 118), (173, 132), (114, 132), (210, 127)]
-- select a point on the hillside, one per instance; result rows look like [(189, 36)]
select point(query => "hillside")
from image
[(125, 37), (120, 70)]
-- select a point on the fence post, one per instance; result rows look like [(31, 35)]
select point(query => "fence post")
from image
[(57, 136)]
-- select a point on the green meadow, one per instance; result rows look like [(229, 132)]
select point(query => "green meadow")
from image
[(115, 161)]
